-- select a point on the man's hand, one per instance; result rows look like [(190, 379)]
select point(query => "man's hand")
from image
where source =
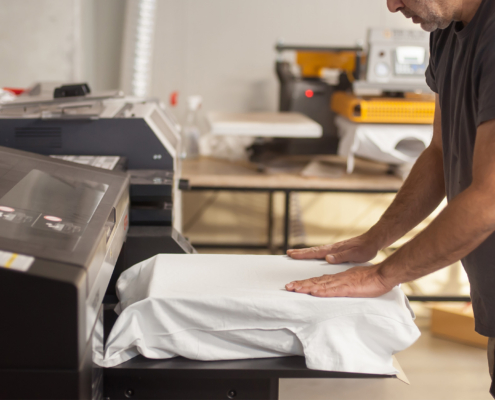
[(355, 282), (358, 250)]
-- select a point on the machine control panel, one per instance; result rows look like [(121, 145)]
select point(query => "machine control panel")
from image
[(398, 58)]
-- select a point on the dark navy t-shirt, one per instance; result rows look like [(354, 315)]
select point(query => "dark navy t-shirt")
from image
[(462, 72)]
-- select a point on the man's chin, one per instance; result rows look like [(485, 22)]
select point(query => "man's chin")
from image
[(429, 26)]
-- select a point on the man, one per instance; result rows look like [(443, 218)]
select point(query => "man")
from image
[(459, 163)]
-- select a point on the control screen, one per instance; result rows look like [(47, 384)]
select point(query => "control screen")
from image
[(49, 210), (61, 197), (410, 60)]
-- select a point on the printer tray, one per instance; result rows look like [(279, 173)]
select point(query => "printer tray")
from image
[(180, 378)]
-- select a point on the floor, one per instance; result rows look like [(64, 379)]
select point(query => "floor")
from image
[(437, 370)]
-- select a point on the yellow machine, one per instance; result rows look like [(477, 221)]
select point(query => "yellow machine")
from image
[(314, 63), (376, 86), (412, 109), (386, 91)]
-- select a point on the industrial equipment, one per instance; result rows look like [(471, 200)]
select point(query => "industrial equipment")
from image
[(383, 83), (396, 63), (388, 115), (234, 135), (63, 233), (398, 145), (67, 231), (310, 89), (108, 130), (264, 124), (393, 89), (410, 109), (62, 228)]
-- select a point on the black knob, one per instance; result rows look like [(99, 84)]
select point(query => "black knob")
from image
[(184, 184), (129, 393), (231, 394), (73, 90)]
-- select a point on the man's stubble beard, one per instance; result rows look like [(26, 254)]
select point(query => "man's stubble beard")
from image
[(431, 21), (429, 26)]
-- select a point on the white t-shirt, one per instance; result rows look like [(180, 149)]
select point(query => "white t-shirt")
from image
[(224, 307)]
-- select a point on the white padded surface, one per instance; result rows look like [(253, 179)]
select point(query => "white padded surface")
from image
[(221, 307), (264, 124)]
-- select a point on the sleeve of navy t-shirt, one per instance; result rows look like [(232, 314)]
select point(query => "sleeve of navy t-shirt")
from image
[(484, 75), (430, 71)]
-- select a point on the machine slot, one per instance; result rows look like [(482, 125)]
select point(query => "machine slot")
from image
[(110, 224)]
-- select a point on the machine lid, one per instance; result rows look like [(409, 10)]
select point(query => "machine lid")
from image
[(52, 209)]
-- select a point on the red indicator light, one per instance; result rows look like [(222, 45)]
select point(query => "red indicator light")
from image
[(309, 93)]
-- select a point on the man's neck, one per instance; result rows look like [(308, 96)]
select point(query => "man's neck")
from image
[(468, 10)]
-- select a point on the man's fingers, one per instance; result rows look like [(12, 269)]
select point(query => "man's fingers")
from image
[(324, 289), (318, 252), (339, 258), (309, 253), (334, 254), (354, 282), (351, 255), (296, 285), (338, 290), (308, 283)]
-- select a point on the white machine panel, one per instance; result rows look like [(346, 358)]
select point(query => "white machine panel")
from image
[(264, 124), (397, 62)]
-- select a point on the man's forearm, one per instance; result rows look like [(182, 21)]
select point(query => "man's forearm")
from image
[(464, 224), (461, 227), (422, 192)]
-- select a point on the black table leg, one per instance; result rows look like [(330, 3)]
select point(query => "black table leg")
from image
[(270, 223), (287, 220)]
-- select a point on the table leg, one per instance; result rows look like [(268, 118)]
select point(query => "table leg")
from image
[(270, 223), (287, 221)]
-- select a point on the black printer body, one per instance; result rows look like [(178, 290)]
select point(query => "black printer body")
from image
[(62, 228)]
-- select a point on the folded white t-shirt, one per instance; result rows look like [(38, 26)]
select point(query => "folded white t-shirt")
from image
[(224, 307)]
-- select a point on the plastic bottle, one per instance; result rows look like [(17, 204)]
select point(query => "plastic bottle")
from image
[(191, 131)]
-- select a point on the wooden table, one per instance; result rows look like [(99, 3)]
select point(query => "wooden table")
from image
[(221, 175)]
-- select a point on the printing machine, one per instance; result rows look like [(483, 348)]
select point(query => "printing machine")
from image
[(64, 230), (115, 132), (62, 227)]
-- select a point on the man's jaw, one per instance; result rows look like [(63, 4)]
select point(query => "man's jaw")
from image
[(428, 26), (416, 19)]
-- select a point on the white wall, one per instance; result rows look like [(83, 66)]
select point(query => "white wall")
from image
[(61, 40), (36, 41), (108, 20), (224, 49)]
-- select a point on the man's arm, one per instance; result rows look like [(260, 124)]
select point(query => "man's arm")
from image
[(421, 193), (461, 227)]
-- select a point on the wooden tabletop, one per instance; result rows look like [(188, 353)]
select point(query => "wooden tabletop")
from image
[(204, 173)]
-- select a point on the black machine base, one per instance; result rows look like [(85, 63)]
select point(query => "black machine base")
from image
[(156, 386), (182, 379)]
